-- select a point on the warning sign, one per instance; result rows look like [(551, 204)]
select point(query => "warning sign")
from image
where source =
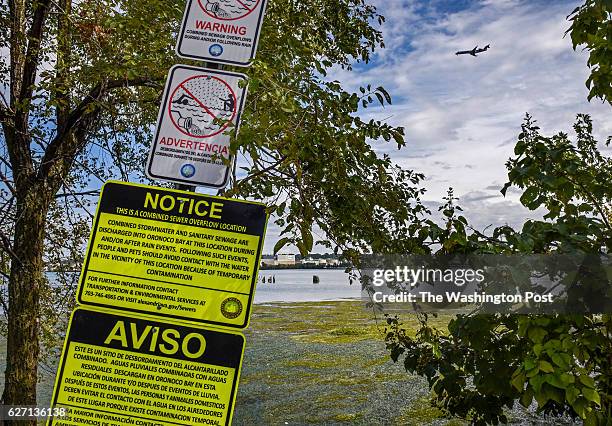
[(225, 31), (174, 254), (192, 140), (129, 370)]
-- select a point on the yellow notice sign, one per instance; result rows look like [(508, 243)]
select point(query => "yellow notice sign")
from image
[(173, 254), (126, 370)]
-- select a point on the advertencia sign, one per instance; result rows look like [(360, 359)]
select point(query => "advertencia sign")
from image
[(224, 31), (120, 370), (173, 254), (200, 108)]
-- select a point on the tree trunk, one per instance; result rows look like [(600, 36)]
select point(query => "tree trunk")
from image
[(25, 281)]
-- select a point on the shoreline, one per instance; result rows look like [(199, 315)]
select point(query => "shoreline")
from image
[(324, 363)]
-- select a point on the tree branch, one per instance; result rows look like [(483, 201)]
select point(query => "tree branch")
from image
[(6, 246), (5, 108), (8, 184), (262, 171), (6, 104), (76, 198), (593, 200), (64, 148), (5, 209), (32, 55), (234, 189), (4, 305), (64, 45), (84, 193)]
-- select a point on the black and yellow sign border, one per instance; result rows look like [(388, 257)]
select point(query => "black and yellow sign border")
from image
[(62, 363), (84, 269)]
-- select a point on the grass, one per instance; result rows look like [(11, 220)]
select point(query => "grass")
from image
[(422, 412), (329, 322), (324, 363)]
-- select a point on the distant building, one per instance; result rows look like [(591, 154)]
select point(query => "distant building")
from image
[(285, 259), (296, 261), (268, 261)]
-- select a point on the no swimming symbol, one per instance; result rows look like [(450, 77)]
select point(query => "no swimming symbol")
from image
[(202, 106), (228, 10)]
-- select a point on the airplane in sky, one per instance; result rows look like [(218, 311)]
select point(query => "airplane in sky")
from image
[(474, 51)]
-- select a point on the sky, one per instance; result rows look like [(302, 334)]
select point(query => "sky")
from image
[(462, 114)]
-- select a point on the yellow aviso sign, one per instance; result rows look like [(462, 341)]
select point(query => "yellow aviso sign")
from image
[(136, 370)]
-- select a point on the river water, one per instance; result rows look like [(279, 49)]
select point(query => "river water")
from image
[(295, 285)]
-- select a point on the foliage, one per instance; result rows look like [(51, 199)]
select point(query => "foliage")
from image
[(591, 27), (483, 363), (308, 152), (81, 89)]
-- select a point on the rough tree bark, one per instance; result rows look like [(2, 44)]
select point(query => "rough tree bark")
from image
[(35, 183), (27, 248), (24, 290)]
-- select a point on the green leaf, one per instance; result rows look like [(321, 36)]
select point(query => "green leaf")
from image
[(380, 98), (529, 364), (302, 248), (528, 199), (537, 334), (561, 360), (537, 349), (526, 398), (505, 188), (546, 367), (518, 381), (385, 94), (536, 382), (280, 244), (580, 406), (593, 419), (591, 395), (307, 239), (571, 393), (533, 372), (288, 107), (586, 380), (557, 380)]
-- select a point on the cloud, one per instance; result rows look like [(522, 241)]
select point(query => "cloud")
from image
[(488, 211), (463, 114)]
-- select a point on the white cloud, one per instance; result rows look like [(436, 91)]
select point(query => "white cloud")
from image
[(462, 114)]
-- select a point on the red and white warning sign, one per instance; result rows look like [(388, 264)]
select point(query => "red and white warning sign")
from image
[(201, 108), (225, 31)]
